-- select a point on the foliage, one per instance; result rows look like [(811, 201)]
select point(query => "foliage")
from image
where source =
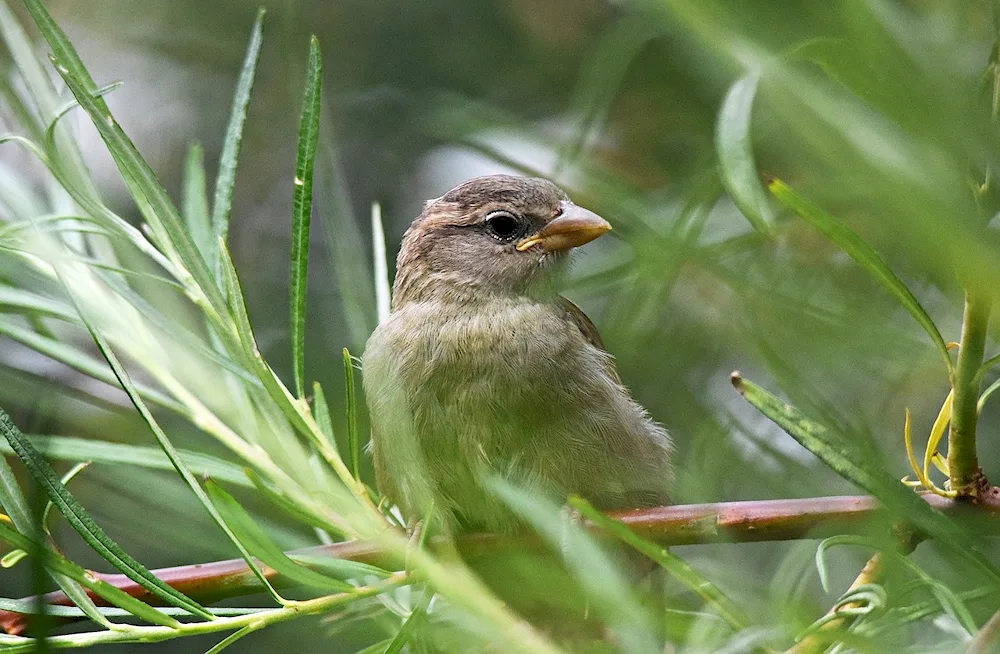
[(879, 139)]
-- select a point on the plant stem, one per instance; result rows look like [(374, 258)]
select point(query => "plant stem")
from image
[(966, 476), (753, 521)]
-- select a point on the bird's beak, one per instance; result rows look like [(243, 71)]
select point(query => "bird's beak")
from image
[(573, 227)]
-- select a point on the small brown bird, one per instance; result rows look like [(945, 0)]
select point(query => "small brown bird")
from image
[(483, 370)]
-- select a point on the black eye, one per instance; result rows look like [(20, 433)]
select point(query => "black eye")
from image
[(503, 225)]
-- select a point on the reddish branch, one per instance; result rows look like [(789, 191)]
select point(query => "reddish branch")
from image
[(763, 520)]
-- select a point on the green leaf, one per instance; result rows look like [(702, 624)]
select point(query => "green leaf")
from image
[(735, 150), (598, 576), (15, 504), (12, 500), (302, 208), (321, 411), (103, 589), (353, 440), (293, 409), (845, 459), (244, 331), (195, 201), (261, 545), (289, 506), (73, 358), (168, 448), (226, 177), (80, 520), (866, 257), (232, 638), (673, 564), (412, 623), (68, 448), (146, 190)]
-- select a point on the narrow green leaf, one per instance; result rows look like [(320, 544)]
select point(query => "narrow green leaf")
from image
[(67, 568), (73, 358), (354, 444), (412, 623), (30, 607), (90, 531), (383, 294), (302, 208), (293, 409), (68, 448), (194, 203), (226, 177), (265, 549), (866, 257), (321, 411), (673, 564), (14, 503), (175, 330), (340, 568), (735, 150), (146, 190), (607, 589), (845, 459), (232, 638), (12, 500), (289, 506), (168, 448), (245, 336), (64, 480)]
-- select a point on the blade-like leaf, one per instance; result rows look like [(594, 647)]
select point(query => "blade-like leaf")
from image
[(673, 564), (837, 453), (226, 177), (146, 190), (168, 448), (73, 358), (321, 410), (265, 549), (353, 440), (289, 507), (602, 580), (67, 568), (302, 208), (735, 150), (12, 501), (195, 201), (80, 520), (68, 448), (866, 257), (289, 406)]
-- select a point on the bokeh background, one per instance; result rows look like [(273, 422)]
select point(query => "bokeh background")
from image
[(877, 110)]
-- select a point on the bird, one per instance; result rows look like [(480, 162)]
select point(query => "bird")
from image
[(482, 371)]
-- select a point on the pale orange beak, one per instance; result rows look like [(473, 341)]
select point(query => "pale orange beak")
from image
[(573, 227)]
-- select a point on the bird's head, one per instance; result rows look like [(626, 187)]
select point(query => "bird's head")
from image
[(494, 235)]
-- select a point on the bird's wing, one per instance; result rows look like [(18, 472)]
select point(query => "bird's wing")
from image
[(576, 315)]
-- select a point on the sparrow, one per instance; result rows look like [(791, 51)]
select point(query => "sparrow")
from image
[(482, 370)]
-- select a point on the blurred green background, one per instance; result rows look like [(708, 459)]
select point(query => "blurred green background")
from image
[(879, 111)]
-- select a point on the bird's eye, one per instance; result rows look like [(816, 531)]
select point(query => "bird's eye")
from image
[(503, 225)]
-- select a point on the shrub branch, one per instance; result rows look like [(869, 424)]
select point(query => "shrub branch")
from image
[(753, 521)]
